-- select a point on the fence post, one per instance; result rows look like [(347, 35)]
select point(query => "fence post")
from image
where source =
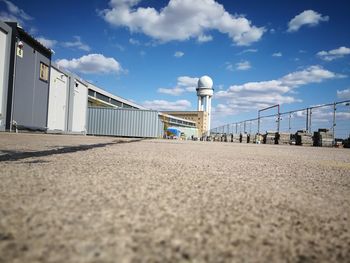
[(334, 124), (307, 120), (310, 122), (290, 116)]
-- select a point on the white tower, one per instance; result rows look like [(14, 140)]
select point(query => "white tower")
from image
[(205, 92)]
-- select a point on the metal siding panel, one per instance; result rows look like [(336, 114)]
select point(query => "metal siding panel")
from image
[(24, 87), (123, 122), (41, 93)]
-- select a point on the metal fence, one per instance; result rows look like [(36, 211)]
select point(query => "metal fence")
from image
[(333, 116), (124, 122)]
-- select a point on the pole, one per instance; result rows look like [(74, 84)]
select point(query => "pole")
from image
[(290, 116), (310, 117), (334, 124), (278, 120), (307, 119), (258, 122)]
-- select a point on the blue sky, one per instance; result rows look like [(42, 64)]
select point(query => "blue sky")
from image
[(258, 53)]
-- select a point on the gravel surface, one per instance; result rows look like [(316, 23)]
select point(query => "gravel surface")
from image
[(101, 199)]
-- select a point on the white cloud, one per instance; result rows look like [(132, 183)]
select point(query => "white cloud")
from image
[(163, 105), (313, 74), (182, 20), (277, 54), (334, 53), (77, 43), (134, 42), (307, 17), (325, 115), (229, 66), (249, 50), (204, 38), (255, 95), (173, 91), (244, 65), (14, 13), (92, 64), (184, 84), (179, 54), (189, 83), (343, 94), (49, 43)]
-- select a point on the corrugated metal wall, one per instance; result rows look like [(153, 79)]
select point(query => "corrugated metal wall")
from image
[(124, 122)]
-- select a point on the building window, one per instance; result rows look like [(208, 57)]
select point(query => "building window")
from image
[(44, 72)]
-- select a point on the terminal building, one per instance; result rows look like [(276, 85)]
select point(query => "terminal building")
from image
[(202, 116)]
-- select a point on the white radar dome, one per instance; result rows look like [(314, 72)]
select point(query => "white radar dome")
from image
[(205, 82)]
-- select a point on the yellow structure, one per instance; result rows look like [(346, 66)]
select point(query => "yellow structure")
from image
[(199, 117)]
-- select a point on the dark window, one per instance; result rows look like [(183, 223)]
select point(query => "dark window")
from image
[(91, 93), (116, 103), (127, 106), (102, 97)]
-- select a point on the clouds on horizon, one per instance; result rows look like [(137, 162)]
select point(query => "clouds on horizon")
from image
[(164, 105), (343, 94), (253, 95)]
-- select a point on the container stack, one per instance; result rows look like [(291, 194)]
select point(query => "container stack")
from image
[(283, 138), (243, 138), (303, 138), (252, 138), (216, 138), (227, 137), (259, 138), (346, 143), (323, 138), (236, 138), (270, 137)]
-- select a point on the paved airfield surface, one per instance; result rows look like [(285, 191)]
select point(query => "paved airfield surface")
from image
[(101, 199)]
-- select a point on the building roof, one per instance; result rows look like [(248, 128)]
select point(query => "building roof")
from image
[(25, 36), (115, 97)]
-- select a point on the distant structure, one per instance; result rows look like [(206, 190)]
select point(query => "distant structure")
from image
[(205, 92), (202, 116)]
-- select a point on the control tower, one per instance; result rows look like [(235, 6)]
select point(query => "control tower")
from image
[(205, 92)]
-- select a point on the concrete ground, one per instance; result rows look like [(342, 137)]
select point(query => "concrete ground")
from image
[(102, 199)]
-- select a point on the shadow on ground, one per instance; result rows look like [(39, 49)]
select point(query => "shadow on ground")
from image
[(11, 155)]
